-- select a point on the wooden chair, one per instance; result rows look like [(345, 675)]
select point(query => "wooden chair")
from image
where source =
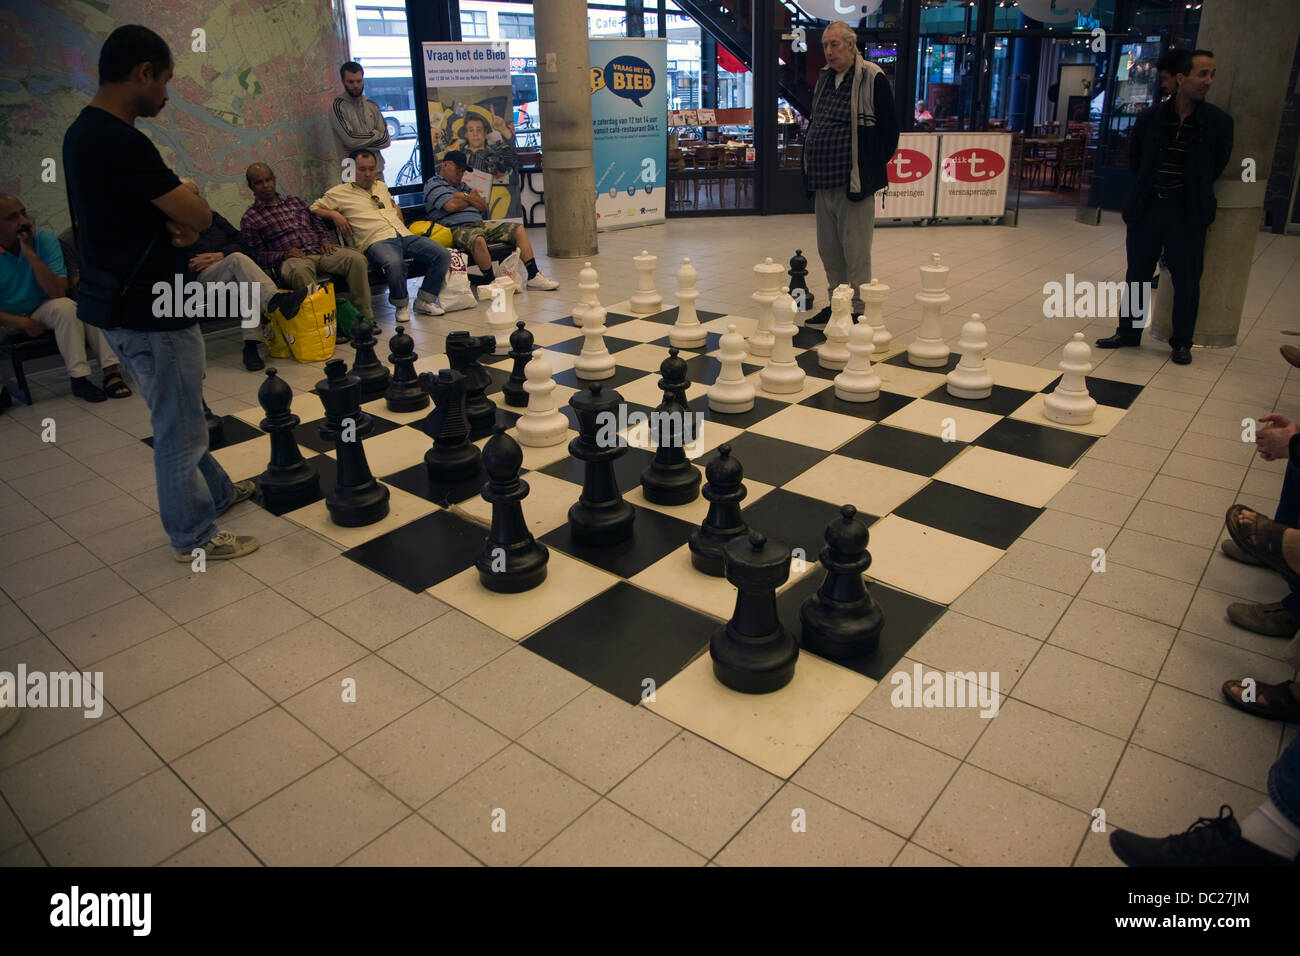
[(735, 159), (1071, 163), (1026, 167), (676, 164), (705, 158)]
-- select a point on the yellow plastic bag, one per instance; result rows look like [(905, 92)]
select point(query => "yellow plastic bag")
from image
[(305, 325), (439, 234)]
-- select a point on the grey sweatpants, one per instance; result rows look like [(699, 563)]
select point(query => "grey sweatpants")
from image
[(844, 232)]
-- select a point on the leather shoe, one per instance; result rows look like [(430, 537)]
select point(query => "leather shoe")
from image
[(1292, 354), (1271, 620), (1182, 355), (1119, 341)]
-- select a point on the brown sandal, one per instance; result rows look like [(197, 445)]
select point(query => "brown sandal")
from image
[(1282, 704), (1267, 544), (115, 386)]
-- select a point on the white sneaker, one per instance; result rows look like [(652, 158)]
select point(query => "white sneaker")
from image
[(404, 313), (540, 281), (224, 546), (514, 267), (429, 308)]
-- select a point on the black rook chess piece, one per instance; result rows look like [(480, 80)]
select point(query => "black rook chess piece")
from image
[(453, 457), (357, 499), (753, 653), (798, 281), (463, 354), (671, 479), (724, 491), (289, 480), (521, 350), (511, 559), (366, 366), (600, 516), (841, 620), (405, 394)]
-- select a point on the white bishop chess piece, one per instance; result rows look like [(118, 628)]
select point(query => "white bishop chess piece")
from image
[(1069, 403), (833, 353), (929, 350), (588, 289), (687, 333), (730, 393), (873, 295), (782, 374), (971, 378), (646, 299), (541, 424), (859, 382), (594, 362)]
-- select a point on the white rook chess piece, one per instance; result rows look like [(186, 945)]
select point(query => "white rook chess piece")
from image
[(971, 379), (501, 316), (769, 287), (594, 361), (687, 333), (646, 300), (541, 424), (730, 393), (1069, 403), (859, 381), (782, 373), (929, 350), (832, 353), (873, 295)]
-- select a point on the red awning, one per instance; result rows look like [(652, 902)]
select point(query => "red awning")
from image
[(729, 63)]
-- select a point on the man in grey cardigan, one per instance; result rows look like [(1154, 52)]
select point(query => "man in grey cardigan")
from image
[(357, 121)]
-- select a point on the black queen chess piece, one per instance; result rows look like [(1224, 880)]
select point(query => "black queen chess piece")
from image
[(405, 393), (671, 478), (753, 653), (453, 456), (521, 350), (357, 498), (841, 621), (799, 282), (289, 479), (724, 489), (512, 560), (366, 366), (600, 516), (463, 354)]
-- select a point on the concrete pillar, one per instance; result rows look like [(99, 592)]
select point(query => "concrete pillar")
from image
[(564, 96), (1253, 42)]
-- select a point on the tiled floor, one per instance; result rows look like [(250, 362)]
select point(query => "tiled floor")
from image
[(464, 747)]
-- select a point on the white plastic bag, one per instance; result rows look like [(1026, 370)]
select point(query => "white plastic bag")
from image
[(456, 293)]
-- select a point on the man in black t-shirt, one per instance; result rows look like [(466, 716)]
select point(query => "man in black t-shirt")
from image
[(130, 210)]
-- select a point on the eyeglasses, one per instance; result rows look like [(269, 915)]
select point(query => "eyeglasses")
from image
[(375, 199)]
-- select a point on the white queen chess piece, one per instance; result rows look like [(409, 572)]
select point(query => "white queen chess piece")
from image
[(541, 424), (1069, 403), (833, 353), (873, 295), (594, 361), (687, 333), (782, 374), (859, 382), (646, 300), (730, 392), (769, 276), (929, 349), (971, 379)]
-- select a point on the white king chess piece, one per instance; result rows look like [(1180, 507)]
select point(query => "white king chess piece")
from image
[(971, 379), (730, 393), (1069, 403), (646, 300), (929, 349), (687, 333), (834, 353), (769, 276), (873, 295)]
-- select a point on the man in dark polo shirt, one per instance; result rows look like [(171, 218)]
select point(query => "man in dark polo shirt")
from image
[(1178, 149), (131, 214)]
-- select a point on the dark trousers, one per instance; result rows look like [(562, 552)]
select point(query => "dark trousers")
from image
[(1164, 227), (1288, 513)]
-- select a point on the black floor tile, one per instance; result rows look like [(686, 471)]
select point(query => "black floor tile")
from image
[(808, 362), (882, 407), (797, 521), (808, 338), (1107, 392), (901, 360), (710, 344), (423, 553), (654, 535), (763, 408), (611, 318), (623, 636), (500, 375), (1003, 401), (705, 369), (574, 346), (772, 461), (1039, 442), (308, 434), (415, 479), (233, 431), (996, 522), (669, 316), (622, 376), (627, 468), (902, 449)]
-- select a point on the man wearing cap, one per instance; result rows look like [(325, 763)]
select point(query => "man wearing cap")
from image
[(450, 202)]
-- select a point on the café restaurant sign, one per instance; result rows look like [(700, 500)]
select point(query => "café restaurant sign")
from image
[(1045, 11)]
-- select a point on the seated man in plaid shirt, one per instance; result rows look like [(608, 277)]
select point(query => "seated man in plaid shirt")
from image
[(283, 235)]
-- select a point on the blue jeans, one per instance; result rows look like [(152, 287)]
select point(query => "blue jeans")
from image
[(1288, 513), (167, 368), (391, 254), (1284, 782)]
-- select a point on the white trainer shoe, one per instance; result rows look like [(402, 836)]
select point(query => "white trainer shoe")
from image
[(429, 308), (403, 313), (540, 281)]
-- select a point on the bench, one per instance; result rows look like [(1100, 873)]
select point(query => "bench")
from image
[(498, 251), (18, 348)]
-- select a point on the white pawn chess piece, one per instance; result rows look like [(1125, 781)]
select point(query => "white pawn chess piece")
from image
[(501, 316), (769, 287), (971, 379), (646, 300), (832, 353), (929, 349), (594, 362), (873, 295), (687, 333), (782, 374), (541, 424), (1069, 403), (859, 382), (730, 393)]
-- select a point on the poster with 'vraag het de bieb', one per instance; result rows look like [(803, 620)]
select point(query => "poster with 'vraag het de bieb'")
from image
[(629, 113)]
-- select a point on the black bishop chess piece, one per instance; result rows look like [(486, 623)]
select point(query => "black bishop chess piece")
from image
[(799, 282), (366, 365), (521, 350), (600, 516), (357, 499), (289, 479), (405, 393), (841, 621), (463, 354), (724, 490), (753, 653), (512, 560), (453, 456), (671, 478)]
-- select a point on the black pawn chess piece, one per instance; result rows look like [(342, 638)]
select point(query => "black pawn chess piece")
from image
[(799, 281), (453, 456), (841, 621), (752, 652), (600, 516), (289, 480), (216, 427), (671, 479), (512, 560), (724, 491), (463, 354), (366, 366), (357, 499), (521, 350), (405, 393)]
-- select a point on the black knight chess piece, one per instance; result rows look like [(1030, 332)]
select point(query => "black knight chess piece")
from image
[(841, 621), (453, 456), (671, 479), (366, 365), (799, 281), (600, 516), (521, 350), (724, 490), (463, 354), (753, 653), (404, 394), (289, 479), (357, 499), (512, 560)]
